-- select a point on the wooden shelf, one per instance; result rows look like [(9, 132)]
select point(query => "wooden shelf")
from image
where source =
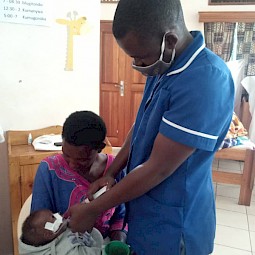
[(245, 16), (23, 164)]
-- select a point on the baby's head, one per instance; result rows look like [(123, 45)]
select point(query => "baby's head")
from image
[(33, 228)]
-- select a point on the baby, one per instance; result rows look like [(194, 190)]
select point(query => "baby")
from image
[(46, 233)]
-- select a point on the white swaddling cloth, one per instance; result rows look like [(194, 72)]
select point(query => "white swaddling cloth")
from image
[(81, 238)]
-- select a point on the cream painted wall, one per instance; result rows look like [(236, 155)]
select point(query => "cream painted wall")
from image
[(32, 73), (36, 92), (191, 9)]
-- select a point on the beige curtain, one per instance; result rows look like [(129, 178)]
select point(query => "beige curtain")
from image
[(219, 37), (246, 46)]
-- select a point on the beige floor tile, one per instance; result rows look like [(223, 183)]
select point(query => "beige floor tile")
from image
[(231, 219), (253, 195), (215, 189), (230, 204), (227, 190), (223, 250), (233, 237), (251, 222), (235, 166), (215, 163), (252, 234), (251, 209), (215, 186)]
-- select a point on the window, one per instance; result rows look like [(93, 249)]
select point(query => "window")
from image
[(232, 41)]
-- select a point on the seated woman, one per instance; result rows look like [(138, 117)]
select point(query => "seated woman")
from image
[(45, 233), (63, 180)]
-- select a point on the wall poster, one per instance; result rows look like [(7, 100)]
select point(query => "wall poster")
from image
[(33, 12)]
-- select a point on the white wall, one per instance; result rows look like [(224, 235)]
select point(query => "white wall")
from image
[(32, 70), (191, 9), (36, 92)]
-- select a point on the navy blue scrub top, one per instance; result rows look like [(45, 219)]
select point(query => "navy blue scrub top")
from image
[(191, 104)]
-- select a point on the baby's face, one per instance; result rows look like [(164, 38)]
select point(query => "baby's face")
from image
[(43, 234), (46, 216), (49, 225)]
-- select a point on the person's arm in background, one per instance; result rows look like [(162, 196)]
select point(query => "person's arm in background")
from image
[(166, 156), (117, 165)]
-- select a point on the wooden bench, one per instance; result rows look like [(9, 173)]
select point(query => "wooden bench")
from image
[(246, 178)]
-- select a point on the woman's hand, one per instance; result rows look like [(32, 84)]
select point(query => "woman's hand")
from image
[(106, 180), (82, 217)]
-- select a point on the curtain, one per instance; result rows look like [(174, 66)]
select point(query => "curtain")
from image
[(219, 37), (246, 46)]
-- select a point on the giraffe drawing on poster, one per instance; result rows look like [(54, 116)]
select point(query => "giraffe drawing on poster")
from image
[(73, 28)]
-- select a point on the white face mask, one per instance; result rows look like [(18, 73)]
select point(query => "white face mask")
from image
[(159, 67)]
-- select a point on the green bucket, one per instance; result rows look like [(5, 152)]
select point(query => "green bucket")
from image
[(116, 248)]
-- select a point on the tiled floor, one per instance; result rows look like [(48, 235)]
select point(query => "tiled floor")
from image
[(235, 233)]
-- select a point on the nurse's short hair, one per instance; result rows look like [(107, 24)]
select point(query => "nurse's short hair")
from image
[(146, 18)]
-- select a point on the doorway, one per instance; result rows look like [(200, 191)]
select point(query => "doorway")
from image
[(121, 87)]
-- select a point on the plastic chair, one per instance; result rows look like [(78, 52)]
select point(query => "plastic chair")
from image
[(246, 178), (25, 211)]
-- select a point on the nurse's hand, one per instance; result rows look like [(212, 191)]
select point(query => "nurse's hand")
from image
[(106, 180), (82, 217)]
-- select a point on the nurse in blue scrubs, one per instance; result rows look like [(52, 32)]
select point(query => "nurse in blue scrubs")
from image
[(183, 118)]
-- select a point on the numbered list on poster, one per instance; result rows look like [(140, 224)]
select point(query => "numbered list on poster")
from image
[(24, 12)]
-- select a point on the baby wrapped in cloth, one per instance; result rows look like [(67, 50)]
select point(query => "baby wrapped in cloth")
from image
[(45, 233)]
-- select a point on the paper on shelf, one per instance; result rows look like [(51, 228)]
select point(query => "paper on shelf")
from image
[(46, 143)]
